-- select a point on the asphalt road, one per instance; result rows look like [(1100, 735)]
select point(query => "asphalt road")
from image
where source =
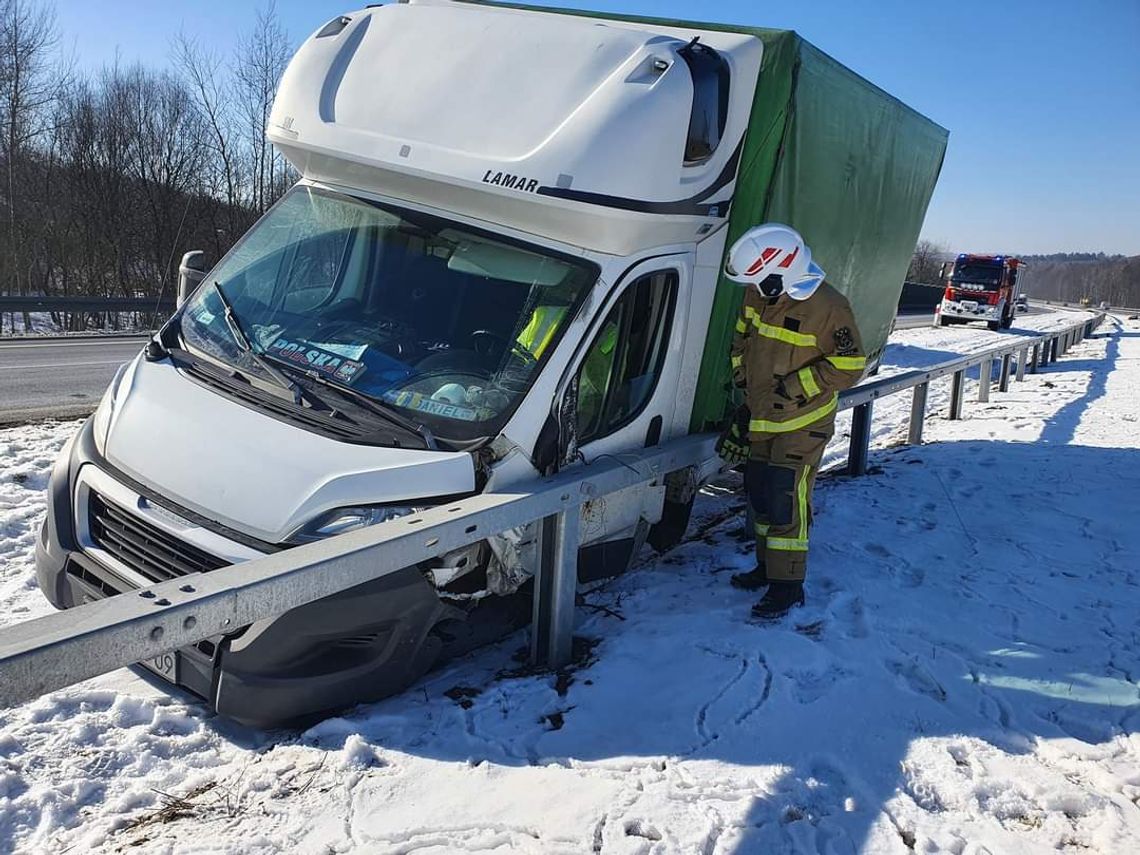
[(58, 378), (914, 320)]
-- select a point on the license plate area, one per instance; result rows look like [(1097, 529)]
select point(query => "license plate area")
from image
[(165, 666)]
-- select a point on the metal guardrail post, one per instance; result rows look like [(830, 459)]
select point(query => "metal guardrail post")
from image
[(1053, 350), (1003, 378), (860, 439), (917, 414), (555, 586), (1033, 362), (956, 390), (985, 379), (1022, 356)]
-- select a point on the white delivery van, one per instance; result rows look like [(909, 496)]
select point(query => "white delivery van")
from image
[(502, 259)]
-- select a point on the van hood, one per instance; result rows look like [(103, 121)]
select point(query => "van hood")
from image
[(250, 471)]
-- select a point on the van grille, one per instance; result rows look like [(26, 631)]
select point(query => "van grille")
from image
[(147, 550)]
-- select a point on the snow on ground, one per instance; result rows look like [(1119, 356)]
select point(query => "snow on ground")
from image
[(963, 679)]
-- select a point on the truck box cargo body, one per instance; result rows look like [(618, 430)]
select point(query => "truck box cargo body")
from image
[(503, 258)]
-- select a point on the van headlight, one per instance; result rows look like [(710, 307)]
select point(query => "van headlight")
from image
[(341, 520)]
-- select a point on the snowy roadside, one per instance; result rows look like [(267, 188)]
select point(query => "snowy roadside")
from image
[(963, 679)]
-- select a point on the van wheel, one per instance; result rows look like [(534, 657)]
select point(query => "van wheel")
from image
[(670, 531), (994, 325), (944, 321)]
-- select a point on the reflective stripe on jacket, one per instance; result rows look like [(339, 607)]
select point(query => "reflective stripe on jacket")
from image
[(793, 357)]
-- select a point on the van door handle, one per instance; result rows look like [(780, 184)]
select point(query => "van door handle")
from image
[(653, 434)]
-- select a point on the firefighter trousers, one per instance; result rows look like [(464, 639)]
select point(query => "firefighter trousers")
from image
[(778, 479)]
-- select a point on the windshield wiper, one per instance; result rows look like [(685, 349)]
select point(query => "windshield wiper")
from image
[(370, 404), (257, 355)]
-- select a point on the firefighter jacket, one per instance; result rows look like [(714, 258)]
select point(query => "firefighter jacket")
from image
[(793, 357)]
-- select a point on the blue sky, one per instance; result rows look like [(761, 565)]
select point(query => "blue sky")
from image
[(1042, 99)]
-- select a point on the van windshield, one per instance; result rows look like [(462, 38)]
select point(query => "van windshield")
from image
[(978, 273), (444, 324)]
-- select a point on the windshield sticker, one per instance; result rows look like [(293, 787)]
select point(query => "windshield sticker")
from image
[(424, 404), (348, 351), (328, 364)]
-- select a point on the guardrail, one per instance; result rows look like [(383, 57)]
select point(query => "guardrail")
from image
[(57, 650), (145, 305), (1075, 304), (1046, 348)]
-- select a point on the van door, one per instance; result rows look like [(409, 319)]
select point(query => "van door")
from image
[(621, 397)]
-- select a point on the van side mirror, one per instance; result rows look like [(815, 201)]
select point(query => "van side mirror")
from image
[(191, 271), (942, 272)]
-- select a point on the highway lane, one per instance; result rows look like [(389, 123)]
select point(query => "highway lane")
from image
[(914, 320), (58, 377)]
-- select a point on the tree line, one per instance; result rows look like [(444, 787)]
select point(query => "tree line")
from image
[(1110, 279), (108, 177)]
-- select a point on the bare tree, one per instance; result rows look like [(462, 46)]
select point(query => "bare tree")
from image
[(259, 62), (107, 178), (213, 96), (926, 262), (28, 37)]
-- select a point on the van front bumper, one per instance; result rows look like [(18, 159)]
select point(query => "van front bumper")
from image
[(355, 646), (971, 311)]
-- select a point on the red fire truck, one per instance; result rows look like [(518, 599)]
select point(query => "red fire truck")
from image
[(980, 288)]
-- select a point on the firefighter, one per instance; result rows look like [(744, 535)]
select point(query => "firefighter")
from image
[(795, 347)]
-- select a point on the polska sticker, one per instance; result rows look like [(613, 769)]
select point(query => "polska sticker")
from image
[(329, 365)]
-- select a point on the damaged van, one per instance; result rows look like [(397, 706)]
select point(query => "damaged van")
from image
[(502, 260)]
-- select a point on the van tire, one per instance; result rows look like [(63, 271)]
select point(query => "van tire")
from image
[(944, 321), (670, 530)]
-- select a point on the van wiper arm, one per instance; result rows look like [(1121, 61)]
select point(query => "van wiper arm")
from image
[(373, 406), (246, 344)]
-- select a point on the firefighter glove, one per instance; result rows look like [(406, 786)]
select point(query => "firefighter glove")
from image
[(733, 446)]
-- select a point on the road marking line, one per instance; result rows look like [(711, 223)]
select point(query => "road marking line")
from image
[(59, 365), (14, 345)]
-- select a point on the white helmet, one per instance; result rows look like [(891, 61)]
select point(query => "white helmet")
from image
[(773, 257)]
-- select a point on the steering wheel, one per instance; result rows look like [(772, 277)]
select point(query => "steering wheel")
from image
[(487, 342)]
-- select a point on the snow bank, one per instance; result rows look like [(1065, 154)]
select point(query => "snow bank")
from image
[(963, 679)]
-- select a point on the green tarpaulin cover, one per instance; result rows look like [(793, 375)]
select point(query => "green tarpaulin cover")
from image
[(837, 158)]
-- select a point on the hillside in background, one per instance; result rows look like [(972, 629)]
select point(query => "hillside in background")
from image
[(1071, 276)]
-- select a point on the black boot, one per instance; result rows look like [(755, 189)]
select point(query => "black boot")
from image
[(780, 599), (753, 580)]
